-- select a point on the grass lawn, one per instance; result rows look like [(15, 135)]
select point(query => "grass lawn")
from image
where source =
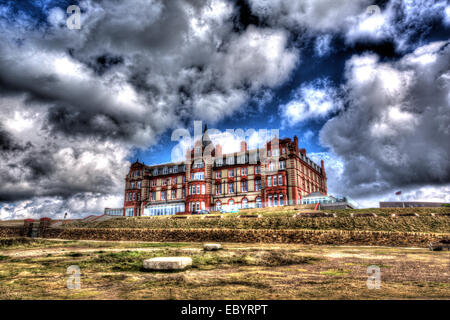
[(36, 269)]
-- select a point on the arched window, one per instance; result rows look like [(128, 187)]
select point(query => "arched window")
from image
[(258, 202), (218, 205), (244, 203), (231, 204)]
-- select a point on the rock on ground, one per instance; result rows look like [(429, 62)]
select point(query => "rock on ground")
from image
[(167, 263)]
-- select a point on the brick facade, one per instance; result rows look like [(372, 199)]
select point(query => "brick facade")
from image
[(278, 174)]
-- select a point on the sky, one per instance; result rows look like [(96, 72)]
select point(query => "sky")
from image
[(363, 84)]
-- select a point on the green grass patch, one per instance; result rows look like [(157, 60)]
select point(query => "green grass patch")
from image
[(335, 272)]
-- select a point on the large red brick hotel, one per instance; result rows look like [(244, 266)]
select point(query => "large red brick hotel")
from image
[(277, 175)]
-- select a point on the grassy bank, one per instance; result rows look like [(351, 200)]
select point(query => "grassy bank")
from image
[(381, 223)]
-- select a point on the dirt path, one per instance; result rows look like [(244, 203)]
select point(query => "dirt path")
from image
[(27, 253)]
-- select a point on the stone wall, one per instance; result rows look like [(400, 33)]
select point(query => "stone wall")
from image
[(316, 237), (399, 239)]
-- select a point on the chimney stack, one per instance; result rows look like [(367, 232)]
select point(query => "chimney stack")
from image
[(243, 146), (296, 144), (218, 150)]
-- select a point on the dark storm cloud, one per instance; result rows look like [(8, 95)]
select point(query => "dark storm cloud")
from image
[(396, 131), (70, 121), (7, 143)]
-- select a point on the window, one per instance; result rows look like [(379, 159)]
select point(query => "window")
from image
[(184, 179), (275, 200), (280, 180), (154, 183), (257, 170), (153, 196), (198, 164), (203, 189), (198, 205), (174, 194), (199, 176), (165, 170), (126, 196), (283, 150), (218, 205), (268, 153), (139, 184), (138, 197), (271, 166), (231, 187), (164, 195), (164, 182), (244, 186), (203, 205), (269, 181), (244, 171), (282, 164), (175, 169), (134, 196), (258, 202), (219, 162), (155, 172), (258, 185), (230, 173), (218, 189), (274, 181), (269, 204), (130, 212), (183, 191), (174, 180), (218, 174), (132, 185), (231, 203), (198, 189), (230, 160), (244, 203)]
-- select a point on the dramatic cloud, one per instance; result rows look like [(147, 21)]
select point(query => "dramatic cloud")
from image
[(395, 132), (404, 22), (75, 103), (312, 100)]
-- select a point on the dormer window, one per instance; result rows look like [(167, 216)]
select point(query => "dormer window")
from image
[(175, 169), (230, 160), (165, 170), (155, 172)]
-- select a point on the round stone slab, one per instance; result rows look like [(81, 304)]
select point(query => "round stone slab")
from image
[(212, 246), (167, 263)]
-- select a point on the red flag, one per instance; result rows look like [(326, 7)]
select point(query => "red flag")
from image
[(398, 193)]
